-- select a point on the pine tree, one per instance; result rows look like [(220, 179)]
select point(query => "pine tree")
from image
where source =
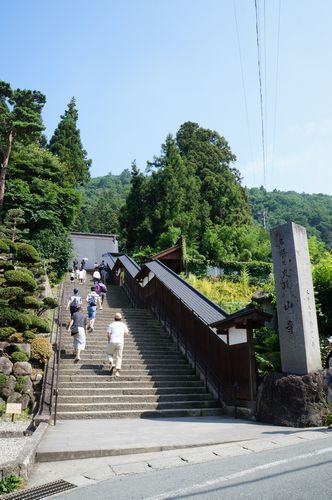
[(133, 215), (66, 144), (20, 120)]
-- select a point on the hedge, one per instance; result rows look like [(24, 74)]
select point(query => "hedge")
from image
[(21, 278)]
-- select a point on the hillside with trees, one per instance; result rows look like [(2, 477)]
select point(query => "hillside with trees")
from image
[(313, 211)]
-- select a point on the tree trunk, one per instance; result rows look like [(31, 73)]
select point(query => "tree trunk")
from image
[(3, 169)]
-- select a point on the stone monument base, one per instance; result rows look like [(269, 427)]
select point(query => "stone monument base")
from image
[(292, 400)]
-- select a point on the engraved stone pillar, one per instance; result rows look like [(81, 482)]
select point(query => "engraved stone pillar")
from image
[(298, 331)]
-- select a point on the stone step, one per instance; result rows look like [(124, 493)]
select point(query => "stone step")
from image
[(166, 413), (134, 378), (127, 372), (126, 364), (139, 398), (128, 356), (105, 406), (112, 383), (133, 391)]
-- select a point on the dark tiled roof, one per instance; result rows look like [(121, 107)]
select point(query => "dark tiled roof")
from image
[(109, 259), (129, 264), (201, 305)]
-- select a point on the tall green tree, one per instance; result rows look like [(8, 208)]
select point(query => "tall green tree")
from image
[(66, 144), (133, 215), (20, 120)]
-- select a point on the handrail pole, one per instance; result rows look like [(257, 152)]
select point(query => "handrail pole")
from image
[(57, 356)]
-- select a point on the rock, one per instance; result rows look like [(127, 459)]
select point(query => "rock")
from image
[(24, 348), (291, 400), (2, 401), (261, 297), (22, 368), (27, 386), (25, 400), (8, 387), (15, 397), (6, 366), (3, 346)]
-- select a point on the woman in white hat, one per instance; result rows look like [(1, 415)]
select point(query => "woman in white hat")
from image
[(115, 335)]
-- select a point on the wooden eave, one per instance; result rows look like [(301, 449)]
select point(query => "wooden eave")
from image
[(241, 319)]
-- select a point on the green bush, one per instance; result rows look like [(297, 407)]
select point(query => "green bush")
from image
[(19, 356), (50, 303), (6, 332), (39, 324), (10, 483), (17, 319), (28, 335), (4, 248), (6, 265), (41, 350), (258, 271), (10, 292), (20, 381), (3, 378), (27, 253), (31, 302), (22, 278)]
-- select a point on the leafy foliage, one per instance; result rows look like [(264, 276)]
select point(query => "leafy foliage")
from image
[(41, 350), (313, 211), (192, 189), (19, 356), (10, 483), (104, 198)]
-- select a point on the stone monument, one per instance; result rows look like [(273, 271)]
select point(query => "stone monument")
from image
[(296, 396), (298, 330)]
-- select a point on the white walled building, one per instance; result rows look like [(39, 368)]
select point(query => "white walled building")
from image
[(92, 246)]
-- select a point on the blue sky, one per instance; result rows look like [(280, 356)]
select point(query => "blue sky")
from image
[(140, 68)]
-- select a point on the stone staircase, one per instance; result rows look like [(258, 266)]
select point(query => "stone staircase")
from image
[(156, 380)]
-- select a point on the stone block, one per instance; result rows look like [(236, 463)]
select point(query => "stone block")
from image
[(24, 348), (15, 397), (22, 368), (8, 388), (6, 366)]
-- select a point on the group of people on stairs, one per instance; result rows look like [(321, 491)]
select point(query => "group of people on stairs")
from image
[(80, 323)]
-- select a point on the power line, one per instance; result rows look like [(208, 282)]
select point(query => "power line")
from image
[(276, 91), (243, 83), (260, 92)]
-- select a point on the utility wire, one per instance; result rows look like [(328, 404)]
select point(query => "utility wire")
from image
[(276, 91), (260, 91), (243, 85)]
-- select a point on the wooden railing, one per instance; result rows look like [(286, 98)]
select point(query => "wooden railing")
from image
[(224, 368)]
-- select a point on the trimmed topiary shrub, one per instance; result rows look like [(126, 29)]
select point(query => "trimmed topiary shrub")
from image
[(6, 266), (39, 324), (50, 302), (17, 319), (10, 292), (28, 336), (4, 248), (27, 253), (31, 302), (22, 278), (6, 332), (41, 350), (19, 356)]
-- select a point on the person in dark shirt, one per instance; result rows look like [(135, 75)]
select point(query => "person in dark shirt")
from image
[(78, 328)]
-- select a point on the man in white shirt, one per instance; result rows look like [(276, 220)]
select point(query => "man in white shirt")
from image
[(115, 334)]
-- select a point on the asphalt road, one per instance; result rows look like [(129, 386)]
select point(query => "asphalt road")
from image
[(295, 472)]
